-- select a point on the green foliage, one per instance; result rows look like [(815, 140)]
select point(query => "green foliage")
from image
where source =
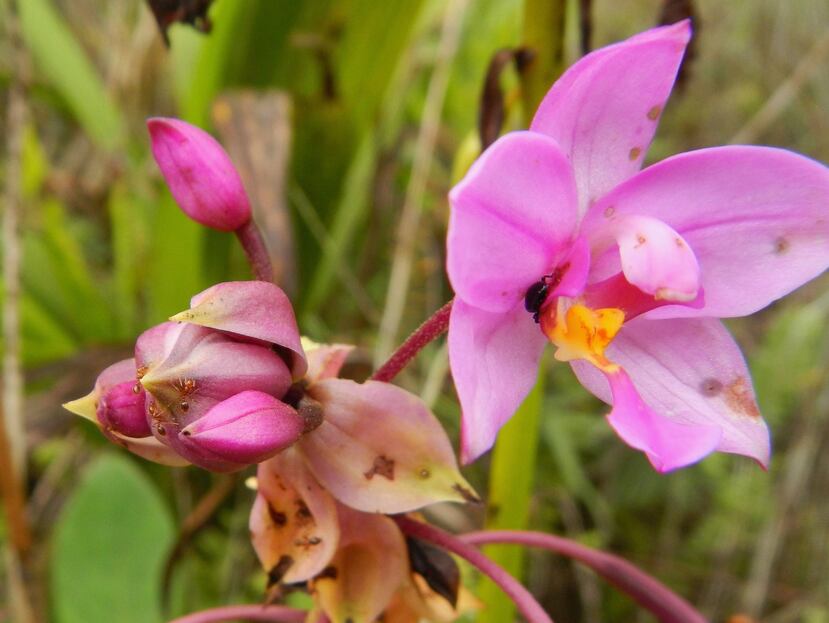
[(68, 70), (109, 547)]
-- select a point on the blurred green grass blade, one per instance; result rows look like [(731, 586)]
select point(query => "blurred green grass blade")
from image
[(56, 275), (247, 47), (127, 217), (109, 547), (63, 62), (376, 34), (349, 217), (174, 264), (511, 477)]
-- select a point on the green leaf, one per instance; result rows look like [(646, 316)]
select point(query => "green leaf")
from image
[(510, 490), (109, 547), (174, 267), (62, 61), (376, 34)]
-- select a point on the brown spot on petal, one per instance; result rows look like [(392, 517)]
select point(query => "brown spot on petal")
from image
[(679, 242), (738, 398), (303, 515), (383, 466), (634, 153), (609, 211), (653, 113), (277, 572), (424, 473), (640, 240), (466, 493), (711, 387), (781, 245), (278, 518), (161, 430)]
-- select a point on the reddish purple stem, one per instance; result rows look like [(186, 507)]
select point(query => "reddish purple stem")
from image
[(524, 601), (651, 594), (257, 253), (432, 328), (248, 612)]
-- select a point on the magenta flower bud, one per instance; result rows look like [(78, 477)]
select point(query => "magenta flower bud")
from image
[(200, 174), (246, 428), (122, 409)]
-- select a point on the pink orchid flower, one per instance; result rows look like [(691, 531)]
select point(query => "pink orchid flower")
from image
[(626, 272)]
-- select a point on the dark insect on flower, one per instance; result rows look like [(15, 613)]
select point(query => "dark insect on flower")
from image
[(536, 295), (193, 12)]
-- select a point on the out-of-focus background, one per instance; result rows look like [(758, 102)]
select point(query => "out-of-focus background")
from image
[(350, 120)]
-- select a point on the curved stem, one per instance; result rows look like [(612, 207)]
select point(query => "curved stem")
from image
[(248, 612), (526, 603), (651, 594), (432, 328), (257, 253)]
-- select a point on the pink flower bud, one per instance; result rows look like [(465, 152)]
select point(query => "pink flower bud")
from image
[(246, 428), (200, 174), (122, 409)]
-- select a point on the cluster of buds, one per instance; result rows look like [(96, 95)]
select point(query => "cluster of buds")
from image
[(212, 387)]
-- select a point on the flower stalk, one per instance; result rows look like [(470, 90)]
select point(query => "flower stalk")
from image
[(251, 612), (250, 237), (651, 594), (431, 329), (529, 608)]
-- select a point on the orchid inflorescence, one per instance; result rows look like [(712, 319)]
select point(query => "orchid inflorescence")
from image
[(555, 236)]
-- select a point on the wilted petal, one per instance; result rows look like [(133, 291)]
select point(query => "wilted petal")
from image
[(667, 443), (246, 428), (252, 309), (200, 174), (293, 522), (494, 359), (324, 360), (512, 218), (692, 372), (757, 219), (151, 449), (654, 258), (380, 449), (368, 568), (604, 110)]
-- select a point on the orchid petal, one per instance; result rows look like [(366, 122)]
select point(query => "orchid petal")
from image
[(512, 216), (246, 428), (604, 110), (293, 522), (205, 367), (494, 360), (368, 568), (380, 449), (692, 372), (668, 444), (324, 360), (251, 309), (755, 217), (654, 258), (151, 449)]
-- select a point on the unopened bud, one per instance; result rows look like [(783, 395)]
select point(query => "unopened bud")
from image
[(122, 409), (247, 428), (200, 174)]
